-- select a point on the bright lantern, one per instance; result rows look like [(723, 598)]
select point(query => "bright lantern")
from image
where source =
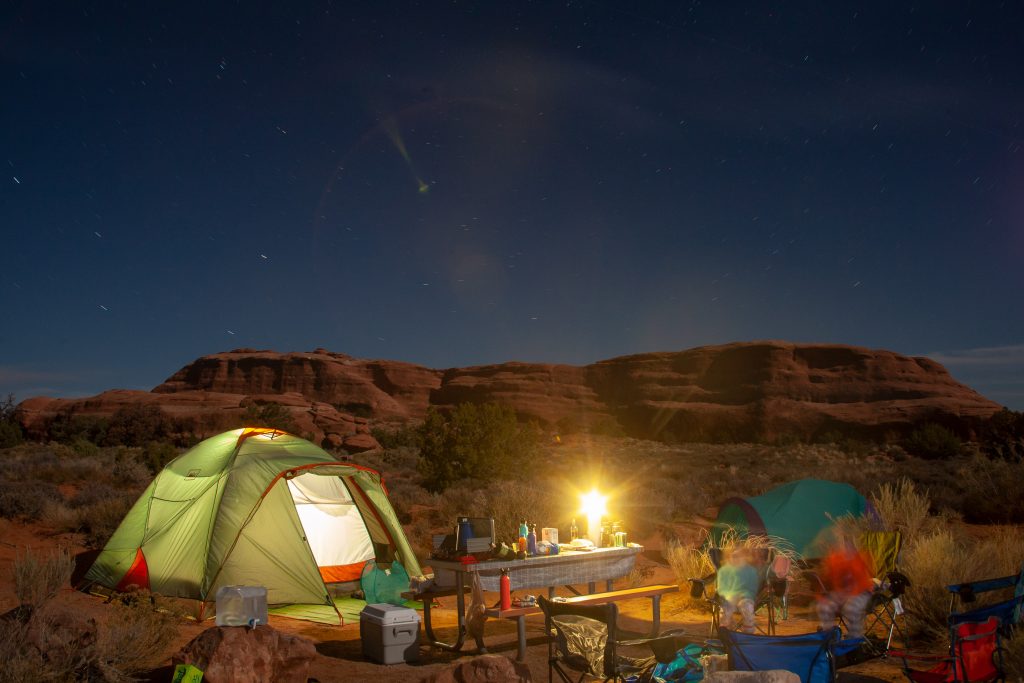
[(594, 508)]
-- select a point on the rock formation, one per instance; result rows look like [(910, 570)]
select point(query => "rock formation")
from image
[(742, 391)]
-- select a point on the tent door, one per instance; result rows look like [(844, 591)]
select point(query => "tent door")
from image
[(333, 526)]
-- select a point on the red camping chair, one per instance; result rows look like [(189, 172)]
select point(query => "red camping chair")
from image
[(975, 656)]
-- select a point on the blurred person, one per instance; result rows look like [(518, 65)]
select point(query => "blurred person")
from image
[(737, 585), (847, 582)]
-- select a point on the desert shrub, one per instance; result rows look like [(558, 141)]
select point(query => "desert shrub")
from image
[(37, 579), (507, 502), (136, 635), (156, 454), (902, 507), (99, 520), (18, 501), (136, 425), (10, 430), (85, 448), (67, 427), (1002, 435), (47, 645), (639, 575), (991, 491), (688, 562), (400, 437), (272, 415), (10, 434), (933, 442), (404, 495), (941, 558), (483, 442)]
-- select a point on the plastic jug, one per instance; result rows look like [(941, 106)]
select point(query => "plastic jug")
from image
[(241, 606)]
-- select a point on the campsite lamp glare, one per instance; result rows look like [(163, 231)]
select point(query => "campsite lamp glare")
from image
[(594, 509)]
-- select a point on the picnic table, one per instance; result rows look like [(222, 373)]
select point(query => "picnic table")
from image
[(567, 568)]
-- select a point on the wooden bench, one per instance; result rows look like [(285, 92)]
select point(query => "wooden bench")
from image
[(653, 592)]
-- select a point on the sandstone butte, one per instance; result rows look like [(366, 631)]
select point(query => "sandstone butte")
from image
[(747, 390)]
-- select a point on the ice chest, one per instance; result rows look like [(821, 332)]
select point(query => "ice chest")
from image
[(390, 634)]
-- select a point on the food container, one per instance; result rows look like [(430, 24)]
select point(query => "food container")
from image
[(241, 606), (390, 634), (549, 534)]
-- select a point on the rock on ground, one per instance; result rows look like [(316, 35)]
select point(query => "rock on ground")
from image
[(483, 669), (236, 654)]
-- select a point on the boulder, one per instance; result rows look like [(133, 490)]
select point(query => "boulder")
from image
[(236, 654), (483, 669)]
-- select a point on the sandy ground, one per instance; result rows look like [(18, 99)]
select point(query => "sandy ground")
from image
[(339, 648)]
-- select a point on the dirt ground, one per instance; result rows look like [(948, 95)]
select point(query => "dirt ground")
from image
[(339, 649)]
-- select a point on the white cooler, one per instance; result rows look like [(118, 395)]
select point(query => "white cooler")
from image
[(390, 634)]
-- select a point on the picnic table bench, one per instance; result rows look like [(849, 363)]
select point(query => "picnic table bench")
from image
[(653, 592)]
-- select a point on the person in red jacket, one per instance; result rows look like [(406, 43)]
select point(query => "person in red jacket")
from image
[(848, 583)]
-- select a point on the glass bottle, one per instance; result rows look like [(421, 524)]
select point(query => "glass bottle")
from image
[(574, 531)]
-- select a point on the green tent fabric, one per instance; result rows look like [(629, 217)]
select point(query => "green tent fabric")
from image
[(254, 507), (797, 513)]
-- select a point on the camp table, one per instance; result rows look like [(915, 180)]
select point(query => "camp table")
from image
[(566, 568)]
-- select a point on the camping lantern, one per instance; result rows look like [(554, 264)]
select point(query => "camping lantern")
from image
[(594, 508)]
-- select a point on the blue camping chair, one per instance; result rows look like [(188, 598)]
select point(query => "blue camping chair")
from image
[(810, 656), (1008, 611)]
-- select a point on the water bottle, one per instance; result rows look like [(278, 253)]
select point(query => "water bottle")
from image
[(505, 590), (465, 533), (531, 541)]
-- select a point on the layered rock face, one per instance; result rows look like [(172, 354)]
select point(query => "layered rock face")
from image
[(756, 390)]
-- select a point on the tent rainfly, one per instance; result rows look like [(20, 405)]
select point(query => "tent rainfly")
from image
[(254, 507), (797, 513)]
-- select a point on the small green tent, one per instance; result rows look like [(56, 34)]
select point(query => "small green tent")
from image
[(254, 507), (797, 513)]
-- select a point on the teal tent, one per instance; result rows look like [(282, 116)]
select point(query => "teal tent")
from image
[(797, 513)]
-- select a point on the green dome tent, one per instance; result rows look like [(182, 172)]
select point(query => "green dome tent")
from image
[(254, 507), (797, 513)]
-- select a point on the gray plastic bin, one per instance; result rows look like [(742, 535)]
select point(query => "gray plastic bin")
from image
[(390, 634)]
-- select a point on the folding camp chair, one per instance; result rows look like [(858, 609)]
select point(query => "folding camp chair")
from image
[(975, 656), (584, 639), (771, 593), (1008, 611), (883, 550), (808, 655)]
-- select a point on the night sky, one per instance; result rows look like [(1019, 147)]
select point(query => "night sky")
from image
[(465, 183)]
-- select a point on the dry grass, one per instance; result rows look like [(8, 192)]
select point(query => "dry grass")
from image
[(135, 638), (945, 556), (38, 579), (903, 507)]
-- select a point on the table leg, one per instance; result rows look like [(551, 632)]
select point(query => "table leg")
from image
[(609, 585), (591, 587), (655, 615), (521, 634), (460, 601)]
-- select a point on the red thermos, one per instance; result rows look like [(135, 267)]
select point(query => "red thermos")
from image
[(506, 591)]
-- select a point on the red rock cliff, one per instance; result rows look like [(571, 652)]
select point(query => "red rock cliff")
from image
[(756, 390)]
